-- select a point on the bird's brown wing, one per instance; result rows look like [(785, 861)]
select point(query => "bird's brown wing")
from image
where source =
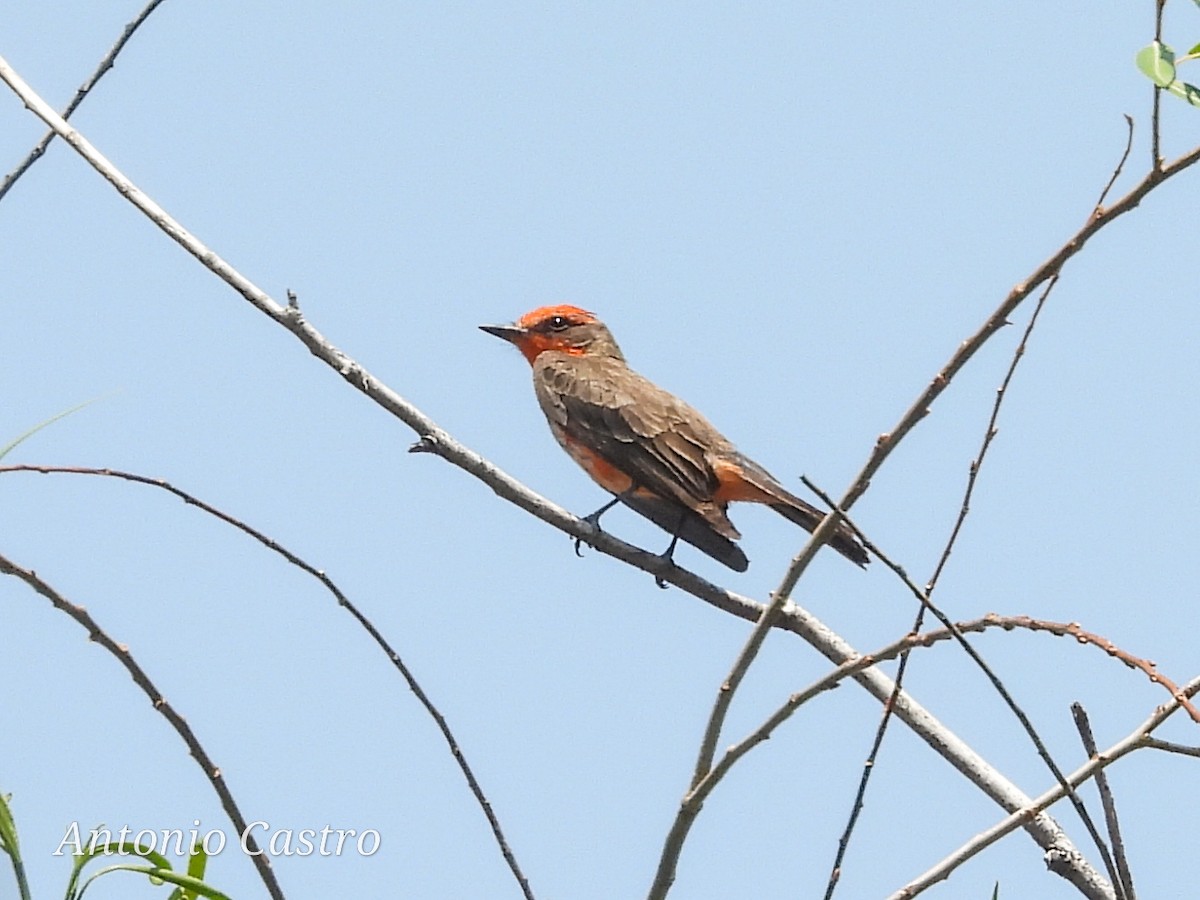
[(668, 449), (637, 427), (630, 422)]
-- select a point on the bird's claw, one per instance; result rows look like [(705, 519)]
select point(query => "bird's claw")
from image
[(594, 521), (668, 560)]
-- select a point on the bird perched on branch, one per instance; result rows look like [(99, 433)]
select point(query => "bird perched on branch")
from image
[(651, 450)]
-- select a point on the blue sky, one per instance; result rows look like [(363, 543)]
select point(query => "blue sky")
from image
[(790, 215)]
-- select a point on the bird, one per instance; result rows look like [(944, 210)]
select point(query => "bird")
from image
[(650, 449)]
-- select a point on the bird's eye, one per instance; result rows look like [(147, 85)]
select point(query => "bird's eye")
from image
[(558, 323)]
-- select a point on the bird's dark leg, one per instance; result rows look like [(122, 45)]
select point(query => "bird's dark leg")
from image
[(594, 518), (669, 553)]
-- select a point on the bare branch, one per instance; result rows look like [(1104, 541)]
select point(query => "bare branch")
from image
[(862, 668), (343, 601), (1137, 739), (888, 441), (1075, 631), (1172, 747), (1120, 163), (84, 89), (121, 653), (1155, 119), (1119, 872), (974, 655), (853, 667)]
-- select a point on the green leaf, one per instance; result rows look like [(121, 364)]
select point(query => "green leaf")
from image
[(197, 862), (8, 829), (158, 876), (1188, 92), (1195, 51), (9, 844), (96, 850), (36, 428), (1157, 62)]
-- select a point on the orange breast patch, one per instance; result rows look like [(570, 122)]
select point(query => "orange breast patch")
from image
[(602, 471)]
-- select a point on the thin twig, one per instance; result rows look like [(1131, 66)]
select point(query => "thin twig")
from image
[(664, 875), (1077, 634), (865, 665), (1155, 121), (888, 441), (862, 668), (121, 653), (1060, 629), (990, 432), (1172, 747), (1139, 738), (989, 435), (105, 64), (923, 598), (694, 800), (964, 508), (1120, 165), (1122, 878), (853, 667), (716, 720), (343, 601)]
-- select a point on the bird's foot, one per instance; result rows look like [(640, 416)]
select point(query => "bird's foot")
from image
[(593, 519), (579, 540), (668, 558)]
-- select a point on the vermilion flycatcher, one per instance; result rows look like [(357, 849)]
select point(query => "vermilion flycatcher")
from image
[(645, 445)]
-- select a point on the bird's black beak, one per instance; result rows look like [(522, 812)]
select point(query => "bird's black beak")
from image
[(510, 333)]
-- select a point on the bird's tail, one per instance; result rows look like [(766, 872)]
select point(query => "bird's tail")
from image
[(807, 516)]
